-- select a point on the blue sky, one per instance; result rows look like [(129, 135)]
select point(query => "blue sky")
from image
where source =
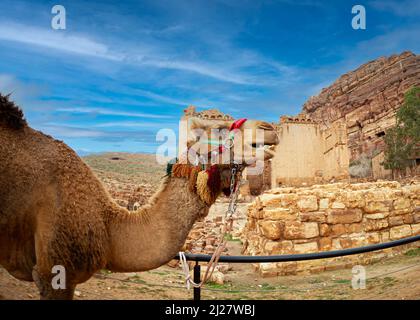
[(122, 71)]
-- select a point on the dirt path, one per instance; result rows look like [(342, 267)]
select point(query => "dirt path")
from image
[(395, 278)]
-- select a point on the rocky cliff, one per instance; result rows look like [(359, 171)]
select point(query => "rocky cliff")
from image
[(366, 99)]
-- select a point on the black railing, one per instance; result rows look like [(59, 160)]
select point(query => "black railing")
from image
[(290, 257)]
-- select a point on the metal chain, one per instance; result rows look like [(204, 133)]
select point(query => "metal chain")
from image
[(236, 175), (235, 181)]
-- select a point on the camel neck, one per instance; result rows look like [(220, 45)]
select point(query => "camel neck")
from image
[(151, 236)]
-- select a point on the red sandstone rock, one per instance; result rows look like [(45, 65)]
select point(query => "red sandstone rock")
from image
[(366, 99)]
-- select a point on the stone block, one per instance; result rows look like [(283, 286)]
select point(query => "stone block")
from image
[(317, 216), (324, 203), (271, 229), (345, 243), (354, 227), (286, 268), (279, 214), (300, 230), (268, 269), (267, 200), (400, 232), (373, 237), (415, 228), (396, 220), (377, 206), (336, 245), (375, 195), (305, 247), (355, 199), (324, 230), (338, 205), (381, 215), (310, 266), (338, 230), (408, 218), (402, 204), (287, 200), (307, 203), (384, 235), (374, 225), (278, 247), (325, 244), (344, 216)]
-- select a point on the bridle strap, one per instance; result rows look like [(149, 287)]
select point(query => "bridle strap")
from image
[(237, 124)]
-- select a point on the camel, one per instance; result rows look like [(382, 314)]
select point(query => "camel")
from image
[(55, 212)]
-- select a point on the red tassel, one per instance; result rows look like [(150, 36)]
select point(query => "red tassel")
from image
[(226, 191), (214, 182), (237, 124)]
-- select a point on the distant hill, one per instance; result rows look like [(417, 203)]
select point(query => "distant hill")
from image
[(134, 169)]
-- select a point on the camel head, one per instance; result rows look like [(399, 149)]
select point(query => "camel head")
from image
[(223, 142), (211, 148)]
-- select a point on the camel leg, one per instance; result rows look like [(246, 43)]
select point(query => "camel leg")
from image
[(42, 272), (44, 283)]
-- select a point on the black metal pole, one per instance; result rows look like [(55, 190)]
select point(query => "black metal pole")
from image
[(197, 276), (302, 256)]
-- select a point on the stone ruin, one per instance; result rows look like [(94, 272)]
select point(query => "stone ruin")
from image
[(344, 122), (330, 217), (340, 132), (366, 100), (209, 114)]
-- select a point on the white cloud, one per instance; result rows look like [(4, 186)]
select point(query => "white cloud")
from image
[(403, 8), (394, 42), (57, 40), (19, 91), (69, 132), (103, 111), (157, 55), (213, 71), (158, 97), (133, 124)]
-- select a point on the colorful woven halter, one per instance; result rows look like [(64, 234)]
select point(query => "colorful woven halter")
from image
[(237, 124)]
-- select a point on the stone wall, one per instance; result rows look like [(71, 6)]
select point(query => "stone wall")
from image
[(307, 153), (330, 217)]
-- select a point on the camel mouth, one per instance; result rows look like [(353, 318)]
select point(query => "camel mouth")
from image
[(268, 150), (268, 147), (271, 139)]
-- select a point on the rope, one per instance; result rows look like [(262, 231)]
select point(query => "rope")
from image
[(186, 269)]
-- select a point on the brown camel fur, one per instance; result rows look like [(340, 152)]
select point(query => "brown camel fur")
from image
[(54, 211)]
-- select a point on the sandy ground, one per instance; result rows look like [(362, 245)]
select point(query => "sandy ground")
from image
[(394, 278)]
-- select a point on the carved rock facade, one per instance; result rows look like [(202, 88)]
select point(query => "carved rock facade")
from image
[(366, 99)]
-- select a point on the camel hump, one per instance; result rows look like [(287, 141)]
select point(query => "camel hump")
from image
[(10, 114)]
